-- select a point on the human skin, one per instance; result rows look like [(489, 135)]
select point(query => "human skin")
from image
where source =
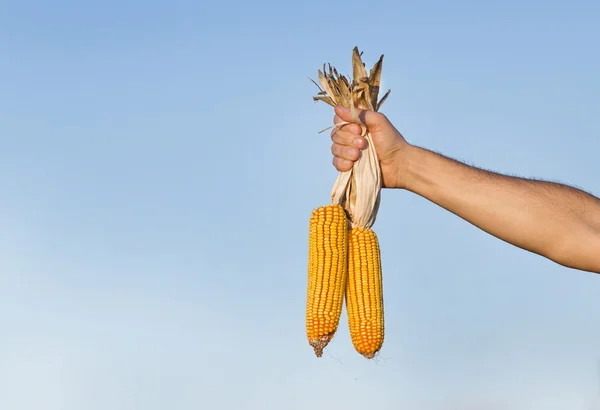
[(553, 220)]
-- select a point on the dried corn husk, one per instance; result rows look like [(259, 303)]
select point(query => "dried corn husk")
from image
[(357, 190)]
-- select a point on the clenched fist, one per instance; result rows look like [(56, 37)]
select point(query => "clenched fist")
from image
[(390, 145)]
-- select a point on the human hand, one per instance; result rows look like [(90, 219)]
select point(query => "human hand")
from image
[(390, 145)]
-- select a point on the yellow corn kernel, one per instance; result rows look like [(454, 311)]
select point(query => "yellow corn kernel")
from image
[(364, 292), (327, 271)]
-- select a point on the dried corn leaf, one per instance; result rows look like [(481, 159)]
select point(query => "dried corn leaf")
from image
[(383, 100), (358, 68), (375, 80)]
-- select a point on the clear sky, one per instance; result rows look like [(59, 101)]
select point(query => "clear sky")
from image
[(158, 165)]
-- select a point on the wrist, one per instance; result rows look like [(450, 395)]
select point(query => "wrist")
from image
[(404, 162)]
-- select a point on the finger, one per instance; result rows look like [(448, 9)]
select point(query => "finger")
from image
[(342, 137), (371, 119), (345, 152), (345, 114), (349, 139), (342, 165), (354, 128)]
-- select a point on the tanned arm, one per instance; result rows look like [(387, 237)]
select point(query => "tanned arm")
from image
[(556, 221)]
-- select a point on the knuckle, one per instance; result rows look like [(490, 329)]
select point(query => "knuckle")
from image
[(380, 116), (351, 153), (337, 150), (336, 137), (346, 137)]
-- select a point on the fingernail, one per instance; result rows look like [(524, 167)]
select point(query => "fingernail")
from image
[(342, 108), (358, 142)]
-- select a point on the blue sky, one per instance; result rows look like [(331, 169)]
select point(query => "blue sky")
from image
[(158, 165)]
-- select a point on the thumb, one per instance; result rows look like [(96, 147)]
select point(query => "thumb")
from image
[(373, 120)]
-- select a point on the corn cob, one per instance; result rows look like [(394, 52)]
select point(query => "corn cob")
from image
[(364, 293), (327, 269)]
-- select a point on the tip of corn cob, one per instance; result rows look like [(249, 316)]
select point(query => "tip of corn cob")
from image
[(369, 355), (319, 344)]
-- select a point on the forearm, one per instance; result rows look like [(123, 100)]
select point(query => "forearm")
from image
[(553, 220)]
